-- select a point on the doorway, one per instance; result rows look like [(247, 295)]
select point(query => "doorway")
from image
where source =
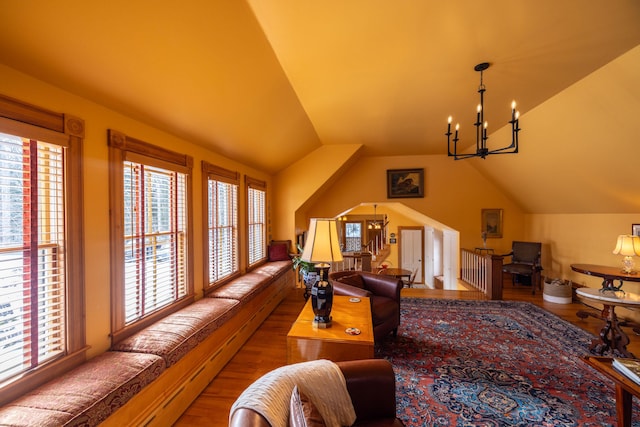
[(411, 251)]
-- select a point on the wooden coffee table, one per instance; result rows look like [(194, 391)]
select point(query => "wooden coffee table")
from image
[(625, 388), (305, 342)]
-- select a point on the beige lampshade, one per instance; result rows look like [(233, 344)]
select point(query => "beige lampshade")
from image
[(322, 243), (627, 245)]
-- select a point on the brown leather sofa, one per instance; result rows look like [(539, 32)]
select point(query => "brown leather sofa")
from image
[(383, 291), (371, 386)]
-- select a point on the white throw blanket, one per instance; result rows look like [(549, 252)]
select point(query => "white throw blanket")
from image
[(321, 380)]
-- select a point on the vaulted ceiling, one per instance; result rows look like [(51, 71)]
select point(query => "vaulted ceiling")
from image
[(265, 82)]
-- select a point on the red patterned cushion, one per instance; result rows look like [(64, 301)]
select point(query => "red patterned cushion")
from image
[(172, 337), (88, 394), (278, 252), (275, 268), (244, 287)]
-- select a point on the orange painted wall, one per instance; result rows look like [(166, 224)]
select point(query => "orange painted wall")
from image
[(455, 194)]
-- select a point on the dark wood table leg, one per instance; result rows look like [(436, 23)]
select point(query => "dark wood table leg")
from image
[(612, 337), (623, 406), (618, 338), (598, 345)]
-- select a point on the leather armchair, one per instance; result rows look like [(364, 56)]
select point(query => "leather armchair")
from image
[(383, 291), (371, 386)]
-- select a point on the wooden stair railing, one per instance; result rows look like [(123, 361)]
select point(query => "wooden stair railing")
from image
[(360, 261), (483, 272)]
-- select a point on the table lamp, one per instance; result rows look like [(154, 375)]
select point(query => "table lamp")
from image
[(629, 246), (321, 248)]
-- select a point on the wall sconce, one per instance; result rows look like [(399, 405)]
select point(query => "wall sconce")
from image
[(629, 246)]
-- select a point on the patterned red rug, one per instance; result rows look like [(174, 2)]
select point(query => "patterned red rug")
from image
[(495, 363)]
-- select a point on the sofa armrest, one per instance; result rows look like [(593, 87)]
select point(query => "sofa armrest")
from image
[(244, 417), (371, 385), (381, 285), (340, 288)]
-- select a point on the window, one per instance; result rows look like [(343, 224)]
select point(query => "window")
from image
[(220, 188), (353, 236), (41, 265), (150, 233), (256, 220)]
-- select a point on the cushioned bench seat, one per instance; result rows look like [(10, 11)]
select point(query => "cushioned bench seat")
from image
[(244, 288), (274, 268), (175, 335), (151, 377), (88, 394)]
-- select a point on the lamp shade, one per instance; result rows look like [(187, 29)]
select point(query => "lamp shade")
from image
[(627, 245), (322, 243)]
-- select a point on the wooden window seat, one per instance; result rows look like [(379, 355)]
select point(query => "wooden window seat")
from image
[(152, 377)]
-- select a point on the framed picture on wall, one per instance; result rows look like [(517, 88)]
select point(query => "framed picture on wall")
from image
[(405, 183), (492, 222), (635, 229)]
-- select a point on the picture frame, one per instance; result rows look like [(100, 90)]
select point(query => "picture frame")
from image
[(491, 220), (405, 183), (635, 229)]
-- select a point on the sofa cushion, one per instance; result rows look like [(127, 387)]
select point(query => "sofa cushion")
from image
[(302, 411), (88, 394), (172, 337), (340, 288)]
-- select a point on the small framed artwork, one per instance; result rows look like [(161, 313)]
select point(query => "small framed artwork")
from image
[(405, 183), (492, 222), (635, 229)]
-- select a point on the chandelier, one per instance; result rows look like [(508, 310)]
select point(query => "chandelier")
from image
[(375, 225), (481, 128)]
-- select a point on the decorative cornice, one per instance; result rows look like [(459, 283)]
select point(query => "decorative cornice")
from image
[(73, 126)]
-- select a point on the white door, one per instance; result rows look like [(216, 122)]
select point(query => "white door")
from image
[(412, 251)]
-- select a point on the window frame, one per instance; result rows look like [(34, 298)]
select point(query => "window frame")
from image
[(33, 122), (217, 173), (256, 184), (123, 148)]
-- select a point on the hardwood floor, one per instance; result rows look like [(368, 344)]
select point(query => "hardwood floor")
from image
[(266, 349)]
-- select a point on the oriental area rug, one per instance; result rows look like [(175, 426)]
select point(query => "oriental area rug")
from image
[(495, 363)]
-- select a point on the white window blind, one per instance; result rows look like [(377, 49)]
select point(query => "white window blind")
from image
[(155, 233), (32, 254), (223, 229), (256, 224)]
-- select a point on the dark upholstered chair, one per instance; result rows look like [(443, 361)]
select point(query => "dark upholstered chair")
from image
[(371, 384), (383, 292), (525, 262)]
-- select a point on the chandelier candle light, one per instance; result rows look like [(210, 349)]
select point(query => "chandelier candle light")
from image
[(322, 247), (481, 128), (375, 224)]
